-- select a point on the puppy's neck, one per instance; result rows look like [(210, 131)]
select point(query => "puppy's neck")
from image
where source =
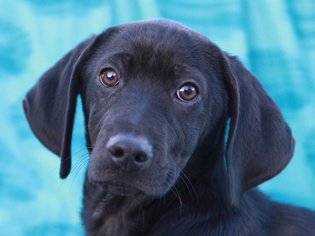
[(107, 214)]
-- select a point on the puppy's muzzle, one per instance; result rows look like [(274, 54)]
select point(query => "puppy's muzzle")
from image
[(129, 152)]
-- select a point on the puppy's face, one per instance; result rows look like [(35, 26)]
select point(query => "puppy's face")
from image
[(156, 97), (148, 102)]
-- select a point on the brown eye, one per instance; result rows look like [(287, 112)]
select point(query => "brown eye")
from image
[(109, 77), (187, 92)]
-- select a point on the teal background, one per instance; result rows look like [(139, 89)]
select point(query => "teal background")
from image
[(275, 39)]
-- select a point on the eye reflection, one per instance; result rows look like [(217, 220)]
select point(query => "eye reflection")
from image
[(187, 92), (109, 77)]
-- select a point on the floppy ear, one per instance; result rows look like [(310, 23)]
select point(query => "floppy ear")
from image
[(50, 105), (259, 143)]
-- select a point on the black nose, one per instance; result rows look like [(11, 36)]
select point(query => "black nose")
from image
[(129, 152)]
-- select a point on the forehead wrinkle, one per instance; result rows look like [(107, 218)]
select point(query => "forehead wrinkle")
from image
[(149, 57), (159, 38), (158, 50)]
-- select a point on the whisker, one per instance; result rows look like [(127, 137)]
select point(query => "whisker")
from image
[(183, 178), (177, 195), (79, 164), (176, 192), (190, 187)]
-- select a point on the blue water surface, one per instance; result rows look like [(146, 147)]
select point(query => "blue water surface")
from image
[(274, 38)]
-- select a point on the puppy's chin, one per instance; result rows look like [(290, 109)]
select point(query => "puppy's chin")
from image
[(117, 189), (124, 190)]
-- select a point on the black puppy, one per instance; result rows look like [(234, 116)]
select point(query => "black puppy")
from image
[(157, 98)]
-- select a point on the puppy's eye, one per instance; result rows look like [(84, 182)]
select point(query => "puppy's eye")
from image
[(109, 77), (187, 92)]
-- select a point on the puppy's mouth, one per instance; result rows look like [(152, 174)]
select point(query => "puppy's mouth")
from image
[(118, 189)]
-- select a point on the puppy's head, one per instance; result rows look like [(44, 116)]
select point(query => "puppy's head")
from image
[(156, 95)]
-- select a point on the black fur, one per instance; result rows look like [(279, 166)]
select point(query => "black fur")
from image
[(159, 165)]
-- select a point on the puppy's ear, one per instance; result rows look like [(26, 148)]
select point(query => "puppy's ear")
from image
[(50, 105), (259, 143)]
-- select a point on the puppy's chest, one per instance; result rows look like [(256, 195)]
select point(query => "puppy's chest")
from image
[(110, 218), (114, 225)]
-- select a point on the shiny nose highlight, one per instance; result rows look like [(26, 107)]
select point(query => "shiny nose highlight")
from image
[(129, 152)]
